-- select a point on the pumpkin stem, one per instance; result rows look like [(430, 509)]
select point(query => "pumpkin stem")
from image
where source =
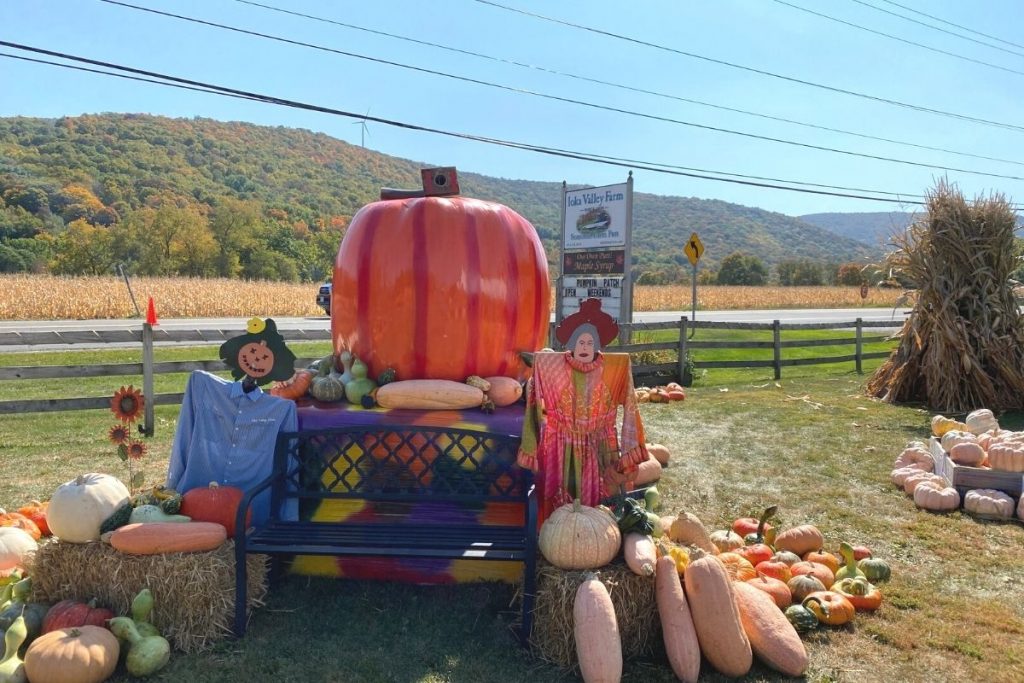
[(768, 513), (576, 505)]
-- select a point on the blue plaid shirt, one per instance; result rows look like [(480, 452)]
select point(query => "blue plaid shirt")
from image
[(227, 436)]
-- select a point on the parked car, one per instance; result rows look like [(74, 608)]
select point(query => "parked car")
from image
[(323, 297)]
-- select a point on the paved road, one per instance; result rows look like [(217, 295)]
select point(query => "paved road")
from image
[(322, 322)]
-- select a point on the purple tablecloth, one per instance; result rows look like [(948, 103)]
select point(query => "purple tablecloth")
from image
[(317, 415)]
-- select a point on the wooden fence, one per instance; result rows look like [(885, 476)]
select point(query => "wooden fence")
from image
[(679, 347)]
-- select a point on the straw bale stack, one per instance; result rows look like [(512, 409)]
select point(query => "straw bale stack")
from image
[(194, 593), (553, 637), (962, 347)]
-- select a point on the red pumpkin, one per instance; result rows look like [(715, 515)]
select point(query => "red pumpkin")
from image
[(72, 613), (215, 503), (440, 288)]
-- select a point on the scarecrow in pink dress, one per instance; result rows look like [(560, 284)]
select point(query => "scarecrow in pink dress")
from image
[(570, 437)]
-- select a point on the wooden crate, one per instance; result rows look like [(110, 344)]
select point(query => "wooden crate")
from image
[(963, 478)]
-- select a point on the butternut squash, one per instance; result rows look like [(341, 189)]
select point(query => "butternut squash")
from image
[(647, 472), (772, 638), (429, 394), (660, 453), (689, 530), (716, 618), (677, 628), (168, 537), (598, 646), (800, 539), (504, 391), (639, 552)]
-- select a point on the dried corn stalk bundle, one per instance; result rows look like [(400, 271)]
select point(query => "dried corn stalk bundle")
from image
[(962, 347)]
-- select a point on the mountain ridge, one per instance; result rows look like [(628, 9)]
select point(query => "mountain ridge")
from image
[(129, 161)]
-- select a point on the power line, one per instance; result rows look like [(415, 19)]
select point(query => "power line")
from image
[(762, 72), (568, 100), (174, 81), (901, 40), (950, 23), (623, 86), (936, 28)]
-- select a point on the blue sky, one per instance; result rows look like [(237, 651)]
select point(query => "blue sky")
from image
[(763, 34)]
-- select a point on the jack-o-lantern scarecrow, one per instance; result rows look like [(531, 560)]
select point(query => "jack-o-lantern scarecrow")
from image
[(227, 430), (439, 286)]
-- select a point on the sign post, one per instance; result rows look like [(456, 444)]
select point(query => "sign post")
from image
[(694, 249)]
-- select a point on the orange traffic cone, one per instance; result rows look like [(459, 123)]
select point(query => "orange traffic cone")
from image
[(151, 313)]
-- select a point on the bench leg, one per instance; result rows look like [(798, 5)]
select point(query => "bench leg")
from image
[(529, 592), (241, 593)]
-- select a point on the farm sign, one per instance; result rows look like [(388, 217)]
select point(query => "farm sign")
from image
[(596, 227)]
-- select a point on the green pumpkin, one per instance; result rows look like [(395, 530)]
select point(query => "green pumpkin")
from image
[(118, 518), (875, 569), (327, 385), (803, 619)]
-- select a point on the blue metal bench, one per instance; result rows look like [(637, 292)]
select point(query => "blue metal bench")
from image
[(391, 467)]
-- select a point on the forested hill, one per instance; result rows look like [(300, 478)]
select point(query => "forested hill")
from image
[(202, 197), (874, 228)]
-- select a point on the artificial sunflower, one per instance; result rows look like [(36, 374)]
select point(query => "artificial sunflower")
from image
[(127, 403), (119, 434), (136, 450)]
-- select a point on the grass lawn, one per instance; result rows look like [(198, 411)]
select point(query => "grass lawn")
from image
[(812, 443)]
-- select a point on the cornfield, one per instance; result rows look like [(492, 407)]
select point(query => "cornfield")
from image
[(962, 347), (47, 297)]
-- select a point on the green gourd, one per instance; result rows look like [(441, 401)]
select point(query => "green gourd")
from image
[(146, 654), (327, 385), (12, 668), (20, 608), (118, 518), (803, 619), (142, 608), (849, 569), (874, 569), (360, 384), (152, 513)]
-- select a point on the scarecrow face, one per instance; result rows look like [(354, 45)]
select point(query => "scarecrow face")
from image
[(256, 359), (584, 348)]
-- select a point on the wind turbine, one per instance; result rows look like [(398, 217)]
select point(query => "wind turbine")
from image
[(364, 131)]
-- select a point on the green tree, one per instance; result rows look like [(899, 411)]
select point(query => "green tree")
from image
[(850, 275), (234, 224), (799, 272), (83, 249), (742, 269)]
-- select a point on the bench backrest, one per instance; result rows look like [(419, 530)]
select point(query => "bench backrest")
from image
[(383, 463)]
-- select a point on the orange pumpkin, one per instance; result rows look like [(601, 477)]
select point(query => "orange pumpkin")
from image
[(20, 521), (737, 566), (440, 288), (36, 511), (215, 503), (294, 388), (823, 557)]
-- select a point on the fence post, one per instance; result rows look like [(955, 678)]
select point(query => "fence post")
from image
[(858, 352), (682, 347), (147, 378), (777, 339)]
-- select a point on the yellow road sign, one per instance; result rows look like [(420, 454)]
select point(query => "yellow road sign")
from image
[(694, 249)]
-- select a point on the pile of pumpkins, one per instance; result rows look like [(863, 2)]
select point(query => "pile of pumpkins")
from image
[(660, 394), (978, 441), (75, 641), (728, 595), (98, 507), (326, 381)]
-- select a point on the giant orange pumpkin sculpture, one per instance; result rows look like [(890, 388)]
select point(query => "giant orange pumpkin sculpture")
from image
[(439, 286)]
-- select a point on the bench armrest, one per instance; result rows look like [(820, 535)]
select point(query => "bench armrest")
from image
[(246, 502)]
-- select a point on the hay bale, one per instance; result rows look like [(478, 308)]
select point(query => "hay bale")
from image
[(194, 593), (632, 596)]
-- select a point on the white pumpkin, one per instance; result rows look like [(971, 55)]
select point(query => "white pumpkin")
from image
[(16, 547), (914, 480), (981, 421), (988, 502), (1020, 508), (915, 456), (1008, 456), (969, 454), (900, 474), (79, 507), (932, 496), (954, 437)]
